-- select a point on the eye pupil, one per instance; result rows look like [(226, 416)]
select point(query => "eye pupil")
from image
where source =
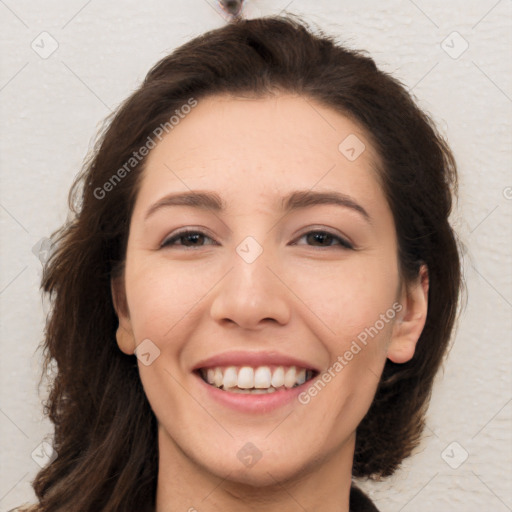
[(318, 236), (192, 236)]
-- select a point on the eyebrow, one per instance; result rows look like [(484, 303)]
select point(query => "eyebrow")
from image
[(294, 201)]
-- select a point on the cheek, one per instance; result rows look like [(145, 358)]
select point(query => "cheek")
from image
[(351, 296), (161, 294)]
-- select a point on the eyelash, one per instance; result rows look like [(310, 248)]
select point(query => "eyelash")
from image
[(344, 244)]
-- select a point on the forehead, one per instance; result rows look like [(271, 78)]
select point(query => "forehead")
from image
[(262, 147)]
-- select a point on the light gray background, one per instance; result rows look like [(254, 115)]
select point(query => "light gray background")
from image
[(52, 107)]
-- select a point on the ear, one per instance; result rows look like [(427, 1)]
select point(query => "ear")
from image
[(124, 335), (411, 320)]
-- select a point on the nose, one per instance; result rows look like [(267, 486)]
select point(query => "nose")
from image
[(252, 293)]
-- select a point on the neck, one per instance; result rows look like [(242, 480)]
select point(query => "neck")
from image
[(189, 487)]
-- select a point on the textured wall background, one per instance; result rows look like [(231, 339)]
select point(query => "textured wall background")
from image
[(53, 103)]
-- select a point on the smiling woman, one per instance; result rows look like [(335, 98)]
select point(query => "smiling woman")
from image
[(256, 310)]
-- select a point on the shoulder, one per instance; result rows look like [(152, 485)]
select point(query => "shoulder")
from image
[(359, 502)]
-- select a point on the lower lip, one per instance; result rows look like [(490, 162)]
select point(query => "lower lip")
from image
[(246, 402)]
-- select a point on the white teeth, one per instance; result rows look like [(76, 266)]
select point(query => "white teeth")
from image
[(230, 378), (278, 377), (261, 379), (217, 376), (290, 377), (246, 377)]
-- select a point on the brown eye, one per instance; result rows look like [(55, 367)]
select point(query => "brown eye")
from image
[(188, 239), (325, 239)]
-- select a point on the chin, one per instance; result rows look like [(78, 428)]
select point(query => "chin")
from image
[(262, 475), (252, 468)]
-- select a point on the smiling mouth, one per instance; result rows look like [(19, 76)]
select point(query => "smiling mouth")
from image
[(256, 380)]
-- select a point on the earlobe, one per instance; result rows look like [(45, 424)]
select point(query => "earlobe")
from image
[(124, 333), (125, 340), (411, 321)]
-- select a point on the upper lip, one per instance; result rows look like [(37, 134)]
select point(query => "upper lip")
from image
[(254, 359)]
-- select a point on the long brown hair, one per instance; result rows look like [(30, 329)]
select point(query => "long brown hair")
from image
[(105, 430)]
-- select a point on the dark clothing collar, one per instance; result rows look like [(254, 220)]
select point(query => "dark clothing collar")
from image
[(359, 502)]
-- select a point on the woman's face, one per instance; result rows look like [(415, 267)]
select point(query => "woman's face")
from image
[(273, 276)]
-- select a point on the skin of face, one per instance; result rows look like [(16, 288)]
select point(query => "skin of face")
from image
[(300, 296)]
